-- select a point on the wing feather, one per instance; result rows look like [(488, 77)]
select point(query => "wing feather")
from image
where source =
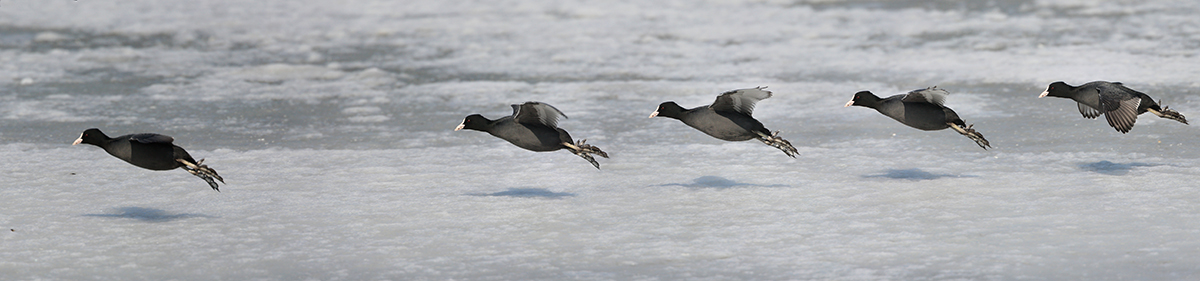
[(537, 113), (1123, 115), (928, 95), (740, 100), (1088, 112)]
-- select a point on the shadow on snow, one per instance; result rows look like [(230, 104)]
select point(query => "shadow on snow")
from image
[(717, 182), (527, 193), (913, 175), (1114, 169), (147, 214)]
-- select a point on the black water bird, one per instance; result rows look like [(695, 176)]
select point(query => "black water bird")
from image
[(728, 118), (1119, 104), (533, 126), (922, 109), (150, 151)]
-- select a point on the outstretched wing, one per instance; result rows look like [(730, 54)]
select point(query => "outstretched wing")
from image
[(151, 138), (1088, 111), (1121, 114), (740, 100), (927, 95), (1119, 105), (537, 113)]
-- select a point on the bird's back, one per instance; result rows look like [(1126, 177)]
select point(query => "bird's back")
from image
[(154, 156)]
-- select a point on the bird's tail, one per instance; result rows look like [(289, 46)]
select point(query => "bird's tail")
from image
[(777, 142), (972, 134), (585, 150), (202, 171)]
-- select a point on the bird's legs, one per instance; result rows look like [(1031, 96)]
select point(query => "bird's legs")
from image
[(1168, 114), (777, 142), (972, 134), (585, 150), (203, 171)]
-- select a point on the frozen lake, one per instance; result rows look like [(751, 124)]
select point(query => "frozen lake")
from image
[(332, 123)]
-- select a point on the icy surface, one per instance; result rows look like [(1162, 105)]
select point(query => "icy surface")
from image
[(331, 122)]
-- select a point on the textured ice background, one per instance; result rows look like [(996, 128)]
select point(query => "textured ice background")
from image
[(332, 123)]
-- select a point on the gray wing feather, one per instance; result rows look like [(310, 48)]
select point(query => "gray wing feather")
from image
[(1119, 105), (1088, 111), (740, 100), (151, 138), (928, 95), (1125, 114), (537, 113)]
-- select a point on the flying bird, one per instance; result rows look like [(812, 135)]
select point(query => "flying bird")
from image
[(922, 109), (728, 118), (533, 126), (1119, 105), (150, 151)]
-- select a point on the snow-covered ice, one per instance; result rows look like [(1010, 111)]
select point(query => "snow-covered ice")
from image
[(332, 124)]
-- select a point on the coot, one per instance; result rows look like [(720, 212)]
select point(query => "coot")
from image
[(150, 151), (1119, 104), (728, 118), (921, 109), (533, 126)]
